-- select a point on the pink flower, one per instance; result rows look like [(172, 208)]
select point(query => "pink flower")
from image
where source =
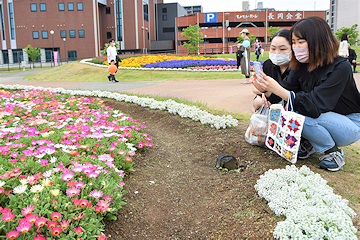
[(78, 230), (67, 176), (121, 152), (104, 205), (79, 184), (23, 228), (44, 162), (87, 170), (7, 217), (92, 175), (73, 191), (12, 234), (96, 194), (64, 224), (108, 198), (77, 168), (27, 210), (101, 236), (55, 215)]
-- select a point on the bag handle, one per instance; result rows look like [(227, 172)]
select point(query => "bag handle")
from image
[(289, 106)]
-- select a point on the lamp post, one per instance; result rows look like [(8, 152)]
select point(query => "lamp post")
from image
[(205, 44), (229, 29), (227, 25), (64, 39), (52, 39)]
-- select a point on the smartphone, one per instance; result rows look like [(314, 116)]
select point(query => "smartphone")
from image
[(257, 67)]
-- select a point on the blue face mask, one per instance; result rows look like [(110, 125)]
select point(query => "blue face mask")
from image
[(280, 59)]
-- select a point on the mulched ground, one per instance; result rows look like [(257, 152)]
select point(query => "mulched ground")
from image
[(177, 193)]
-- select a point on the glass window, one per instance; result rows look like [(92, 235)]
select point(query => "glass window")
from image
[(45, 34), (62, 33), (118, 20), (72, 56), (35, 35), (146, 9), (70, 6), (108, 10), (18, 56), (48, 55), (33, 7), (164, 17), (43, 7), (61, 6), (79, 6), (164, 10), (5, 56), (81, 33), (12, 24), (2, 22), (108, 35), (72, 33)]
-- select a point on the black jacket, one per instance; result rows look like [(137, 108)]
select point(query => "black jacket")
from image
[(273, 71), (331, 88), (352, 55)]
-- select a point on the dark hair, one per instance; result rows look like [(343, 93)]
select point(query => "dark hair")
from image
[(285, 33), (344, 36), (111, 40), (112, 61), (322, 43)]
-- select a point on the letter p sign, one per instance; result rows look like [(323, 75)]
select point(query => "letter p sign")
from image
[(211, 17)]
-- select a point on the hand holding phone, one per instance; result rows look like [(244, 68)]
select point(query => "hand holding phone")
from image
[(257, 68)]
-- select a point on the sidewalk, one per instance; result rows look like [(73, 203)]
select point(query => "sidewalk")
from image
[(231, 95)]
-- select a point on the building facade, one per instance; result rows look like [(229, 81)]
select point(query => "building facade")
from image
[(193, 9), (71, 30), (344, 13), (219, 35)]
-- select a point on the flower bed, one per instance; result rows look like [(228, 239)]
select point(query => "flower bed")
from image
[(311, 208), (63, 163), (190, 63)]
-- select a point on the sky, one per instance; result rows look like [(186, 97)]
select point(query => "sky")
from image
[(236, 5)]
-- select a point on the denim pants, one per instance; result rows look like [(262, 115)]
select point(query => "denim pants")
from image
[(332, 128)]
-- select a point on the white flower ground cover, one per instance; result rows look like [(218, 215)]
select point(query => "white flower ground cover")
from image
[(311, 208)]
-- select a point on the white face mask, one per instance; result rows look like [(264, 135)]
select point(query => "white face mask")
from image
[(280, 59)]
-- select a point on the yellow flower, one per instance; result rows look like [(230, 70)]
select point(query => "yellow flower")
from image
[(55, 192), (36, 188), (46, 182)]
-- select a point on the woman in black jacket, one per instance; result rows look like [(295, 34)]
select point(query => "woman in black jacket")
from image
[(326, 92), (277, 66)]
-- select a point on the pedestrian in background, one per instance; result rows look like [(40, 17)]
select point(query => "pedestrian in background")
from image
[(245, 60), (344, 48), (352, 58), (257, 48)]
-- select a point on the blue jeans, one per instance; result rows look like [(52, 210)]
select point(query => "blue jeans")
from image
[(332, 128)]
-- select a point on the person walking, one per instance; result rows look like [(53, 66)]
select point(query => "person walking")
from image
[(257, 48), (352, 58), (344, 48), (111, 54), (245, 60), (239, 55)]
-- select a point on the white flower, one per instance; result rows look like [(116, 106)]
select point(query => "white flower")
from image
[(2, 183), (53, 160), (49, 150), (20, 189), (23, 181), (36, 188), (47, 173)]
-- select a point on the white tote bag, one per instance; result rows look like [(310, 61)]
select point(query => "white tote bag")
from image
[(284, 130)]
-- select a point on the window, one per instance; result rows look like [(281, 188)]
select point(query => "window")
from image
[(164, 10), (167, 30), (70, 6), (61, 6), (42, 7), (18, 56), (62, 33), (146, 9), (72, 56), (44, 34), (48, 55), (108, 10), (2, 22), (164, 17), (81, 33), (118, 12), (35, 35), (33, 7), (108, 35), (12, 24), (5, 56), (79, 6), (72, 33)]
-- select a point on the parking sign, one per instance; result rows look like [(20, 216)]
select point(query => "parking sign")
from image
[(211, 17)]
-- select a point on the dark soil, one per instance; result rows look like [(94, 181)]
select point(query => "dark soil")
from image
[(177, 193)]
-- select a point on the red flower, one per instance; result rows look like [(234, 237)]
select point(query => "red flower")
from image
[(39, 237), (101, 236), (78, 230), (56, 231), (55, 215), (40, 222), (12, 234), (52, 224)]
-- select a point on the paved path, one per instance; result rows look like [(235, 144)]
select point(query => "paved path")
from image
[(231, 95)]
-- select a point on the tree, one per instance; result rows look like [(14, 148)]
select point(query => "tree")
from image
[(194, 37), (272, 30), (106, 45), (251, 36), (33, 53), (353, 34)]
